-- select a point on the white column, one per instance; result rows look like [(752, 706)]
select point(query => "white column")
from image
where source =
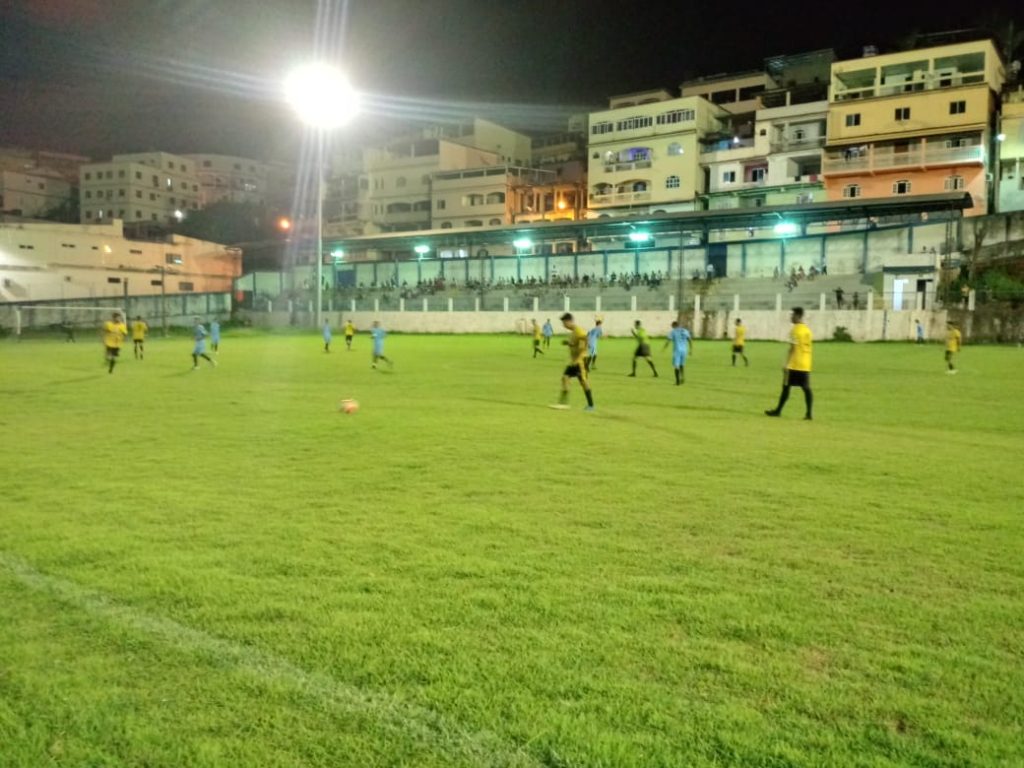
[(270, 306), (401, 305), (451, 304), (970, 301), (476, 304), (353, 303), (632, 303), (290, 307), (310, 305), (566, 303), (821, 303), (504, 304), (671, 302), (696, 307), (597, 304), (536, 305), (376, 305), (871, 300), (735, 302), (778, 302), (424, 303), (919, 301)]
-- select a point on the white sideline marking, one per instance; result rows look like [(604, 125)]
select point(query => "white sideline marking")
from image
[(424, 726)]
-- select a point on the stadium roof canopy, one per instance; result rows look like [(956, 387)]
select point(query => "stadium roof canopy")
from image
[(877, 210)]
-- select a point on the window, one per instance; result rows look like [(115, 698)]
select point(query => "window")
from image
[(494, 223), (728, 177), (120, 174), (672, 182), (474, 223), (957, 107), (633, 123), (88, 176), (757, 174), (152, 196), (495, 198), (206, 163), (138, 193), (88, 194), (110, 174), (853, 120), (170, 166), (88, 214), (675, 148), (120, 213), (156, 181), (954, 183), (954, 143), (138, 175), (138, 214), (136, 251), (172, 201), (901, 187), (851, 190), (183, 286), (172, 258), (799, 134), (446, 225), (901, 113), (676, 116), (596, 129), (440, 204)]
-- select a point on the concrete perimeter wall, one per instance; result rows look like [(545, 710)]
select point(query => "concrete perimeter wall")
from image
[(774, 325)]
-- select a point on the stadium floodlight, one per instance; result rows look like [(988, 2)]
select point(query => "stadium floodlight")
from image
[(337, 254), (422, 250), (523, 243), (1000, 137), (639, 237), (786, 228), (324, 99)]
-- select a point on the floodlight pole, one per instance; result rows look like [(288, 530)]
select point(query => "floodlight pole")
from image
[(319, 226)]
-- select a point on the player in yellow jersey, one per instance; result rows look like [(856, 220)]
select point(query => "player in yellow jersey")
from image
[(577, 369), (536, 339), (114, 331), (350, 331), (738, 343), (797, 371), (953, 343), (139, 331), (643, 348)]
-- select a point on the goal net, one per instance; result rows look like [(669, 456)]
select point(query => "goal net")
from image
[(64, 323)]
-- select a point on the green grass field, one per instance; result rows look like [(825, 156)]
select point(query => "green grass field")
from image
[(216, 568)]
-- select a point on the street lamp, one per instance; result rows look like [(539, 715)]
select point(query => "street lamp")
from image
[(324, 100)]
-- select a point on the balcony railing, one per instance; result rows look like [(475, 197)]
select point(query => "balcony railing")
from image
[(615, 167), (798, 145), (932, 82), (620, 198), (919, 157), (725, 145)]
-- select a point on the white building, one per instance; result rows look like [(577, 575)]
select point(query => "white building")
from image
[(32, 192), (225, 178), (1010, 144), (148, 187), (48, 262)]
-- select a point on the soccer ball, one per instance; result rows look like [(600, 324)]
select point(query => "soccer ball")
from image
[(348, 405)]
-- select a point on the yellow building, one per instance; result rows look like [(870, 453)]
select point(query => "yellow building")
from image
[(913, 123), (644, 153), (1011, 152)]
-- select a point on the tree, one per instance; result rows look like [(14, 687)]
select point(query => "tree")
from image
[(229, 223)]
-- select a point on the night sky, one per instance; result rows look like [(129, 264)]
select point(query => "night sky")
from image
[(99, 76)]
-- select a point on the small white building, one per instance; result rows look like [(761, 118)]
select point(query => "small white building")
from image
[(225, 178), (31, 192), (47, 262)]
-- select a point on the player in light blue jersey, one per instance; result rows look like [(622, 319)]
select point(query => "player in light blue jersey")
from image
[(682, 345), (548, 332), (199, 334), (215, 335), (593, 335), (327, 335), (378, 334)]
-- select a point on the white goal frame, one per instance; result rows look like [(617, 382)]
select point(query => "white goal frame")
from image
[(101, 310)]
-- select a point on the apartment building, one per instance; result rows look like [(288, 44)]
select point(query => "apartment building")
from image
[(142, 188), (914, 122), (224, 178), (1010, 144), (393, 191), (491, 196), (643, 153), (780, 164), (31, 192)]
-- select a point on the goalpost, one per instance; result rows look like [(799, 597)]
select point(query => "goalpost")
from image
[(50, 319)]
